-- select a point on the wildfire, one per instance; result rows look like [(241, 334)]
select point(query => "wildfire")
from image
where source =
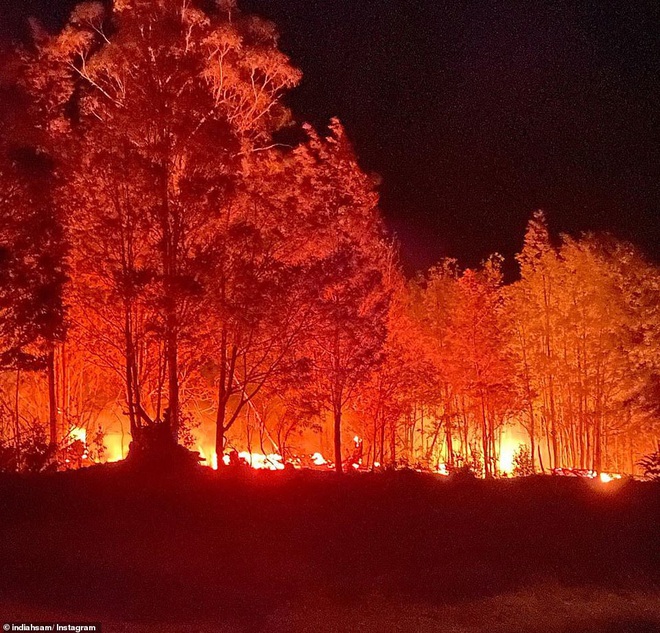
[(259, 461), (318, 459), (507, 454), (78, 434), (442, 470), (510, 443), (114, 448), (263, 461)]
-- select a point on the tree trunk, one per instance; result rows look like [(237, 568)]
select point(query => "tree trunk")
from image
[(18, 419), (220, 427), (450, 442), (484, 439), (173, 374), (532, 438), (224, 388), (598, 455), (129, 367), (337, 420), (52, 399)]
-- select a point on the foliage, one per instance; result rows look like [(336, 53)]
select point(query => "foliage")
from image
[(522, 462), (651, 465), (34, 454), (166, 258)]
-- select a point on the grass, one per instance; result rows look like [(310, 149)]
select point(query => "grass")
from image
[(310, 551)]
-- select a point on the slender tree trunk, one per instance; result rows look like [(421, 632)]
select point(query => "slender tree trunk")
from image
[(530, 400), (375, 442), (532, 437), (484, 439), (173, 373), (598, 439), (52, 399), (553, 426), (547, 445), (170, 246), (382, 440), (224, 389), (17, 420), (130, 368), (541, 460), (450, 443), (220, 427), (337, 421)]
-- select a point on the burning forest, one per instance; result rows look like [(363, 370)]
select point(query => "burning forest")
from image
[(190, 275)]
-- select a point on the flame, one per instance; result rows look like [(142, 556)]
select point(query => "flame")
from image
[(208, 456), (78, 434), (259, 461), (319, 460), (113, 447), (607, 477), (510, 442)]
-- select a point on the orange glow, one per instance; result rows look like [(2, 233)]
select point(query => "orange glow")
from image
[(114, 449), (506, 458)]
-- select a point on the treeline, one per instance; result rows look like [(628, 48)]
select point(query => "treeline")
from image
[(568, 352), (175, 250)]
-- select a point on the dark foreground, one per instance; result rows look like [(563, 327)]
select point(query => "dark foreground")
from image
[(307, 551)]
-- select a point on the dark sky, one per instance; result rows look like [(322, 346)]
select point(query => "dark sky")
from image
[(477, 112)]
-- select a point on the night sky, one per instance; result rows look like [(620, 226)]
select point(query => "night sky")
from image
[(477, 112)]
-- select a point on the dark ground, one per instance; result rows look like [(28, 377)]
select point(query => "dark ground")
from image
[(309, 551)]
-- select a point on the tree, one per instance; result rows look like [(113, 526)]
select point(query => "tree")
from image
[(384, 395), (581, 324), (479, 362), (351, 303), (32, 255), (166, 104)]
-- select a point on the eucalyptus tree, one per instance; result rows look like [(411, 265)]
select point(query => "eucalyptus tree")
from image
[(156, 109)]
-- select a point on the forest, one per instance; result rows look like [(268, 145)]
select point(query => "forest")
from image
[(180, 255)]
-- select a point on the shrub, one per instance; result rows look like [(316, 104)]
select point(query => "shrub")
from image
[(523, 466), (651, 465)]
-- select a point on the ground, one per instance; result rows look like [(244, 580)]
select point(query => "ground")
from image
[(308, 551)]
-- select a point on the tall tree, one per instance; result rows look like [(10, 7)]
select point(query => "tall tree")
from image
[(32, 248), (350, 328), (166, 104)]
